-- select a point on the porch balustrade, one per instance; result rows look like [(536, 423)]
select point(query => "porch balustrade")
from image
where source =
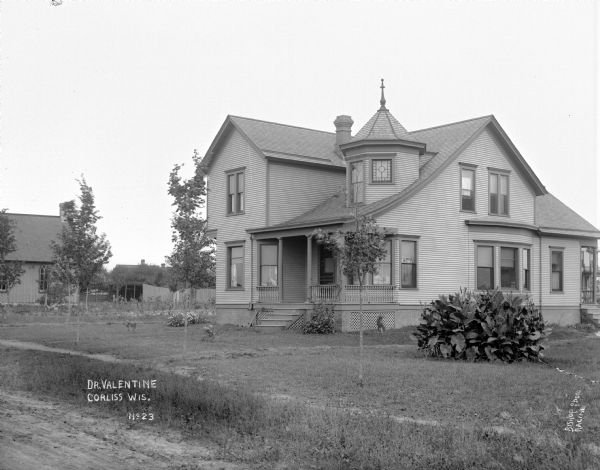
[(268, 294), (587, 296), (372, 294), (350, 295), (325, 292)]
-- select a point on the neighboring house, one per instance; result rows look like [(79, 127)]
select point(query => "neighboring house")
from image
[(460, 205), (33, 234)]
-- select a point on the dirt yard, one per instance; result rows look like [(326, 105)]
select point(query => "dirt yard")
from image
[(46, 434)]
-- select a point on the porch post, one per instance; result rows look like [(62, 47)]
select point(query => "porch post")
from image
[(594, 273), (280, 268), (308, 267)]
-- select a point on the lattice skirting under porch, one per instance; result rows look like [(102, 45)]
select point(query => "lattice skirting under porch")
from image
[(351, 320)]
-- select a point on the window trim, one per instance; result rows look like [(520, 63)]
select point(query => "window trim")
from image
[(351, 184), (527, 278), (473, 168), (235, 173), (560, 250), (499, 173), (41, 282), (416, 263), (517, 268), (371, 173), (476, 258), (260, 265), (230, 246)]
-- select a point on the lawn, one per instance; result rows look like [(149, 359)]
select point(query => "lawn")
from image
[(523, 399)]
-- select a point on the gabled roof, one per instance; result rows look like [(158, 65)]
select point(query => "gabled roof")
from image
[(448, 141), (290, 143), (444, 142), (33, 235), (551, 215)]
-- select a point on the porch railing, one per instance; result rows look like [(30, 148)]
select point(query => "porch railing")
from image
[(268, 294), (372, 294), (587, 296), (350, 295), (325, 292)]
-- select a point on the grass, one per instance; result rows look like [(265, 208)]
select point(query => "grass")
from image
[(264, 434), (243, 365)]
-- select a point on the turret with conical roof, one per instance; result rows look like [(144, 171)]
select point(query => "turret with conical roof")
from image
[(382, 158)]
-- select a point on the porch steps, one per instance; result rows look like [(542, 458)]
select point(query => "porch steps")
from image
[(277, 319), (590, 314)]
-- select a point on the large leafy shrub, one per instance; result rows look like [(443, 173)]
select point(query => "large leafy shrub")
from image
[(482, 326), (178, 318), (322, 320)]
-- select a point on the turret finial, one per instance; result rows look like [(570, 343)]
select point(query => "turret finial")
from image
[(382, 100)]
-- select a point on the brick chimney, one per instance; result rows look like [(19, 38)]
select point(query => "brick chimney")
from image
[(343, 128), (61, 211)]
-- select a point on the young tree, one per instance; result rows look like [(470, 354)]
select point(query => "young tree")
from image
[(358, 252), (10, 271), (80, 252), (192, 259)]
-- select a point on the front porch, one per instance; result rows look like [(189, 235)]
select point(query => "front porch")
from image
[(297, 269), (333, 293)]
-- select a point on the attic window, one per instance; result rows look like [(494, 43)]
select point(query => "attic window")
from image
[(381, 171)]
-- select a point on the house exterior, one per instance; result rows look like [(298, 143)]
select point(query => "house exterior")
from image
[(33, 234), (460, 206)]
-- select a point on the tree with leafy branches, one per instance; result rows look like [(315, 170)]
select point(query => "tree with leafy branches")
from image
[(192, 259), (10, 270), (80, 252), (358, 250)]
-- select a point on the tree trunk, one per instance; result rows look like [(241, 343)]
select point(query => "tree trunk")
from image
[(185, 321), (360, 334)]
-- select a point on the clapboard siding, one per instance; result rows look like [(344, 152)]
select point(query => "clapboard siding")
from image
[(295, 189), (236, 152), (294, 270), (486, 151), (445, 247), (571, 275), (405, 166), (28, 290)]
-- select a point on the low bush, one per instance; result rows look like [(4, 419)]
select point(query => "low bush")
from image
[(482, 326), (178, 318), (322, 320)]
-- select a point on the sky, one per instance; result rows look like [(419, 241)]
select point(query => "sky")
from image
[(120, 92)]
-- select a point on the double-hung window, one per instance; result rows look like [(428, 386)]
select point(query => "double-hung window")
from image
[(268, 265), (357, 182), (557, 270), (235, 263), (485, 267), (43, 280), (467, 189), (526, 269), (235, 192), (408, 264), (508, 268), (498, 184), (383, 274)]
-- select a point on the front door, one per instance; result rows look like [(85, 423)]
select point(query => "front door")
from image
[(326, 266)]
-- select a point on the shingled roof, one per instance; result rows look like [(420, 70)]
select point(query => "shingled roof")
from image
[(33, 234), (552, 215), (282, 141), (382, 126)]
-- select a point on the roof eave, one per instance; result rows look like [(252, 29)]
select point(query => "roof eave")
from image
[(384, 142), (277, 228)]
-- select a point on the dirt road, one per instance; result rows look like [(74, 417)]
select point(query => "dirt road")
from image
[(46, 434)]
